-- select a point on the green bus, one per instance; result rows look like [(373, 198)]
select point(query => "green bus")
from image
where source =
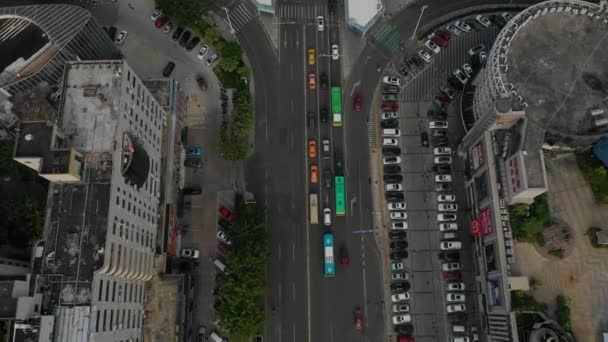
[(336, 106), (339, 189)]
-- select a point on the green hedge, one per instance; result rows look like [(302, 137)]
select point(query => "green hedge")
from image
[(596, 175), (562, 312), (523, 301), (529, 228)]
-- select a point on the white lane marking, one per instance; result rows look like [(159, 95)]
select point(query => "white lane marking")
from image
[(331, 330), (297, 38), (294, 332)]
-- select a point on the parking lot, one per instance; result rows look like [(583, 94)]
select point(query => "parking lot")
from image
[(423, 173)]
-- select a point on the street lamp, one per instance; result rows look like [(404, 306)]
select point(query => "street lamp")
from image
[(418, 22)]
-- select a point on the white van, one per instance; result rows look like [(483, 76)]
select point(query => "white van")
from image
[(458, 328), (215, 338), (327, 217), (220, 265), (391, 132)]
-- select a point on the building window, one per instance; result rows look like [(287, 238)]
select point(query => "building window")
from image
[(490, 257)]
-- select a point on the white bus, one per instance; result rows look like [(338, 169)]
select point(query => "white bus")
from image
[(313, 202)]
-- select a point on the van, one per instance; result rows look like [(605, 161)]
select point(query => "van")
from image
[(458, 328), (220, 265), (215, 338), (391, 132)]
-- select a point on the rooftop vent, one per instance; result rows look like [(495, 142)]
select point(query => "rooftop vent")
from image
[(29, 137)]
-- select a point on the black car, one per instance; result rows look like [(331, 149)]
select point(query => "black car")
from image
[(323, 80), (224, 224), (331, 6), (405, 286), (455, 83), (391, 151), (312, 120), (323, 115), (498, 20), (390, 89), (397, 235), (192, 162), (443, 187), (201, 82), (393, 178), (192, 43), (398, 244), (327, 176), (440, 133), (436, 114), (405, 329), (398, 255), (475, 25), (112, 33), (440, 141), (449, 256), (442, 169), (394, 196), (168, 69), (392, 169), (177, 33), (390, 123), (192, 190), (184, 39), (424, 139)]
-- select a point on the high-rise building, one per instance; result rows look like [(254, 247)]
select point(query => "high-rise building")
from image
[(37, 40), (539, 92), (102, 159)]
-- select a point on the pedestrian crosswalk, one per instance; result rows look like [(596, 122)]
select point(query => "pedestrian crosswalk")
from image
[(239, 16), (302, 11), (388, 38)]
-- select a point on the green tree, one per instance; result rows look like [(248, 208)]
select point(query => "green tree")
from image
[(243, 72), (562, 312), (22, 220), (523, 301), (229, 64), (212, 36), (186, 13), (232, 49)]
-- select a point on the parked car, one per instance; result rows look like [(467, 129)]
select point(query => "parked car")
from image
[(397, 308), (460, 76), (168, 69), (390, 142), (396, 206), (201, 82), (424, 139), (401, 319), (390, 123), (442, 169), (443, 178), (455, 308), (177, 33), (451, 276), (447, 207), (190, 253), (170, 26), (455, 297), (443, 160), (462, 26), (390, 106), (394, 196), (439, 41), (391, 160), (432, 46), (448, 226), (438, 124), (157, 13), (398, 287), (192, 190), (393, 178), (442, 151), (121, 37), (391, 80), (443, 187), (398, 215), (446, 217), (184, 38), (390, 169), (227, 214), (456, 286), (449, 256), (425, 56), (400, 297), (391, 151), (160, 22), (389, 115), (483, 20), (450, 245), (397, 266), (192, 43), (476, 49), (211, 59), (398, 225), (223, 237), (398, 244), (451, 266), (446, 198), (399, 275)]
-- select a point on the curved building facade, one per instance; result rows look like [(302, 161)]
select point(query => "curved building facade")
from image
[(37, 40)]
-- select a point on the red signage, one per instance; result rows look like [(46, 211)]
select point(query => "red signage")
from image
[(475, 227), (485, 221)]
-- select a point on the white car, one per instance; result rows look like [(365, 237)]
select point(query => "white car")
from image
[(507, 16), (326, 149), (202, 51), (320, 23), (444, 227), (443, 178), (397, 308), (432, 46), (476, 49), (394, 187), (120, 38), (397, 206), (398, 215), (391, 80), (453, 30), (399, 276), (450, 245), (223, 237), (327, 216), (446, 217), (483, 20), (462, 26), (391, 160), (190, 253), (456, 286), (443, 160), (390, 142), (438, 124), (438, 151), (460, 76), (451, 266), (399, 297), (156, 14), (335, 52), (466, 67), (398, 225), (446, 198), (455, 297), (214, 57), (455, 308), (401, 319), (170, 25), (390, 115), (447, 207), (425, 56)]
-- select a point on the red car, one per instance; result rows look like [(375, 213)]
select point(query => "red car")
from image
[(343, 256), (439, 41), (452, 276), (390, 106), (227, 214), (358, 319), (405, 339), (443, 97), (443, 34), (222, 247), (160, 22), (358, 101)]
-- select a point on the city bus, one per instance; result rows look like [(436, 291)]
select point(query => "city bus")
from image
[(339, 190), (329, 268), (313, 202), (336, 106)]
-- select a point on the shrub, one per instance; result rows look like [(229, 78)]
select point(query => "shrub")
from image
[(523, 301), (559, 252), (528, 222), (562, 312), (596, 175)]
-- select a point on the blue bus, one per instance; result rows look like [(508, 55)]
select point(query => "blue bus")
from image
[(329, 269)]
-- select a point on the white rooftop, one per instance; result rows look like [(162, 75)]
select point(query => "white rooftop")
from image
[(361, 12), (264, 2)]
